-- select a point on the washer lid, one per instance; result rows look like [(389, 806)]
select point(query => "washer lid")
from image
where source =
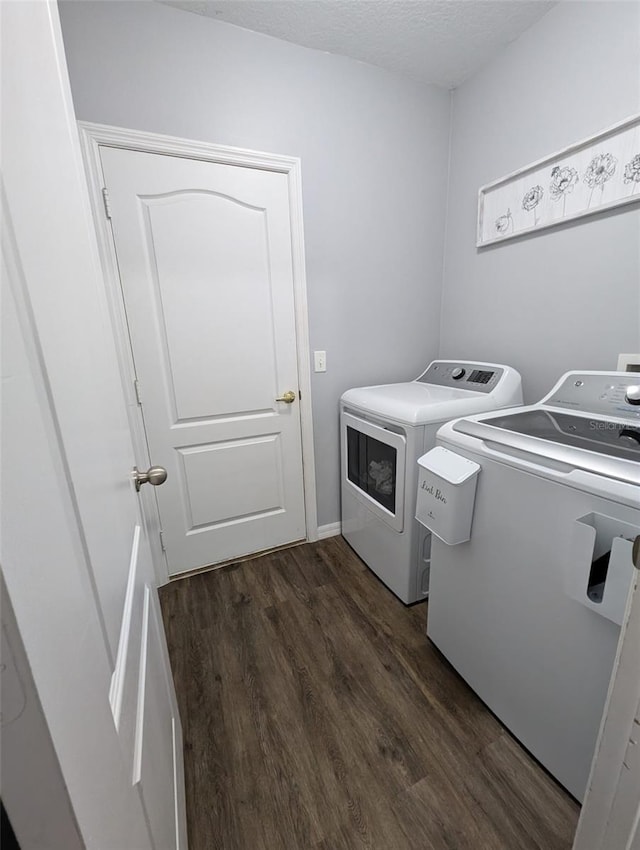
[(601, 446), (596, 435), (415, 403)]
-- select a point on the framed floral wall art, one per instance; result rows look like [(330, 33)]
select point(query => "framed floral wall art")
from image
[(596, 174)]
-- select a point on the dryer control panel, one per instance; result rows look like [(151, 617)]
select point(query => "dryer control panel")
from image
[(609, 393), (475, 377)]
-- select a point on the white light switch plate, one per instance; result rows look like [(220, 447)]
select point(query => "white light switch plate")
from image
[(319, 361)]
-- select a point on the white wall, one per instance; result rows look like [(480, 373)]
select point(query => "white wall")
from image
[(33, 789), (374, 150), (568, 297)]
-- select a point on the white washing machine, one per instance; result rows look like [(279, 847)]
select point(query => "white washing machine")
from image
[(529, 609), (384, 430)]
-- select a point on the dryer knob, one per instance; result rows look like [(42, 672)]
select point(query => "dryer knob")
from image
[(633, 394), (458, 373)]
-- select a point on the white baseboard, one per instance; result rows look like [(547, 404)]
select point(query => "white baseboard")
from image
[(330, 530)]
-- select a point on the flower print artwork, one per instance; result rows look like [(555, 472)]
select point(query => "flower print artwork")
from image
[(531, 200), (563, 181), (503, 222), (587, 178), (632, 172), (601, 169)]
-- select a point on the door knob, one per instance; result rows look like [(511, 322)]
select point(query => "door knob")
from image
[(635, 553), (288, 398), (155, 475)]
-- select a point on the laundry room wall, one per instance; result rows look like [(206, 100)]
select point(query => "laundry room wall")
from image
[(563, 298), (374, 149)]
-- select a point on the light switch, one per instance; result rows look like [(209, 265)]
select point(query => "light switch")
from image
[(320, 361)]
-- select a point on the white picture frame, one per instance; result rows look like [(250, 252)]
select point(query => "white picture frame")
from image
[(588, 177)]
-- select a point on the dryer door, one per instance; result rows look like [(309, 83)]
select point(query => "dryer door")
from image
[(373, 467)]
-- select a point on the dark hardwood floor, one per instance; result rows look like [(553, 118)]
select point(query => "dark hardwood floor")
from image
[(317, 716)]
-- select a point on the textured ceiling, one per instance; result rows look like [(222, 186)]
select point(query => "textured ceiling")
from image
[(435, 41)]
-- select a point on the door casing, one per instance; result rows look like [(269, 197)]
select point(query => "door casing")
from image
[(92, 137)]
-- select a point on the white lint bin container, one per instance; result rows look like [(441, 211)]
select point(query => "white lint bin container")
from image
[(446, 494)]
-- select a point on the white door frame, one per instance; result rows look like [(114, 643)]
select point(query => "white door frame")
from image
[(92, 136)]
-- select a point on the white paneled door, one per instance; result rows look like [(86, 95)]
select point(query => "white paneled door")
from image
[(75, 556), (205, 261)]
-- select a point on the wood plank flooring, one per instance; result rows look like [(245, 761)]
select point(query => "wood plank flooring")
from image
[(317, 716)]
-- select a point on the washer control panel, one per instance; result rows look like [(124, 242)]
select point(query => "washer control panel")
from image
[(475, 377), (612, 393)]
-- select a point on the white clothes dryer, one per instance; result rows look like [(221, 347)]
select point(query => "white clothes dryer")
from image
[(384, 430), (529, 609)]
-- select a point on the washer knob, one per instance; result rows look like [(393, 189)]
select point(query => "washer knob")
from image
[(632, 395), (458, 373), (630, 437)]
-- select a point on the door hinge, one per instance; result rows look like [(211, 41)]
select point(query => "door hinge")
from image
[(164, 548), (107, 205), (136, 387)]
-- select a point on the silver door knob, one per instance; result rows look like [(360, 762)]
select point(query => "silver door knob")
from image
[(155, 475)]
